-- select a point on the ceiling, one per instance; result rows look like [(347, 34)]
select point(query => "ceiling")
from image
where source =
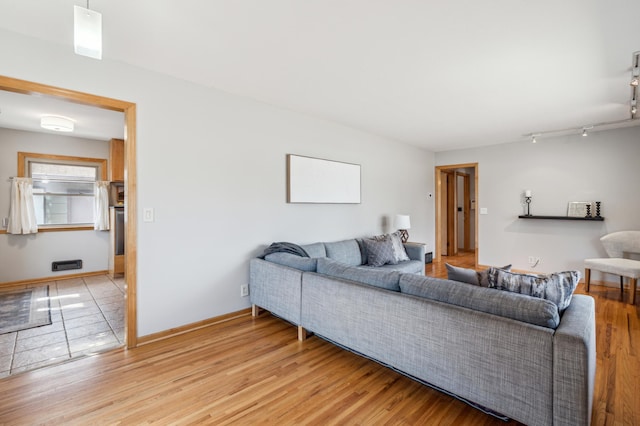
[(23, 112), (436, 74)]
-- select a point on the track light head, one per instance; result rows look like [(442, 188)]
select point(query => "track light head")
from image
[(634, 82), (584, 133)]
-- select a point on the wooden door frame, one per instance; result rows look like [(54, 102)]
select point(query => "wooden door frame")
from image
[(438, 205), (466, 207), (129, 109)]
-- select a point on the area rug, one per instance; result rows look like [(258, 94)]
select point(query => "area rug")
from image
[(24, 308)]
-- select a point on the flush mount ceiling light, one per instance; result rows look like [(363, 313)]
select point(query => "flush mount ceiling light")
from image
[(57, 124), (87, 32)]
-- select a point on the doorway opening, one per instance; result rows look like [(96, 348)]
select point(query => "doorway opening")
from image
[(456, 213), (129, 111)]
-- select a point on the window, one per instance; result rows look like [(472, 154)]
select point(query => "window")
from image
[(63, 187)]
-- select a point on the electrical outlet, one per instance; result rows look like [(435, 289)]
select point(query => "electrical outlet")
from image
[(244, 290)]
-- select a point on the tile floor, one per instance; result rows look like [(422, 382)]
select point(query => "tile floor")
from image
[(87, 316)]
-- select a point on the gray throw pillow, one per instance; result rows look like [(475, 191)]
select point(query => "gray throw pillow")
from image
[(379, 252), (399, 252), (470, 276), (463, 275), (557, 287)]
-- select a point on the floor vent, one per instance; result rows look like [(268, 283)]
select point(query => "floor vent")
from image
[(65, 265)]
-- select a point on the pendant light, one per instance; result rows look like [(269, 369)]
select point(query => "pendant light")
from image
[(87, 32)]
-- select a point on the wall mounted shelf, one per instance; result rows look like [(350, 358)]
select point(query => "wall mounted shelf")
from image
[(591, 219)]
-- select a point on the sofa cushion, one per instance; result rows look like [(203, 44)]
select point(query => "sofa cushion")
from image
[(470, 276), (315, 250), (346, 251), (379, 252), (375, 277), (557, 287), (408, 267), (293, 261), (505, 304)]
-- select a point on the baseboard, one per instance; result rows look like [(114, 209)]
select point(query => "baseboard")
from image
[(161, 335), (49, 279)]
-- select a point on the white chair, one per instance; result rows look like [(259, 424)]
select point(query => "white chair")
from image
[(617, 244)]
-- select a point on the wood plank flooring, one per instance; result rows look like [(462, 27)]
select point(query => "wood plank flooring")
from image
[(254, 371)]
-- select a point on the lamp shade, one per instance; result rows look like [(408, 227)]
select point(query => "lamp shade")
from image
[(403, 221), (87, 32)]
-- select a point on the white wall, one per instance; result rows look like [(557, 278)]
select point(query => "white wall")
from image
[(29, 257), (212, 165), (600, 167)]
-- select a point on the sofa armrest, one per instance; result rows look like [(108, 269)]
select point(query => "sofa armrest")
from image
[(276, 288), (415, 251), (574, 363)]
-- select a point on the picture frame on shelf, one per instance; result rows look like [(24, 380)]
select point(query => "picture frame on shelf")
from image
[(579, 208)]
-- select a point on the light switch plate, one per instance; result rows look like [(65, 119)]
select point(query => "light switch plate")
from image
[(147, 214), (484, 210)]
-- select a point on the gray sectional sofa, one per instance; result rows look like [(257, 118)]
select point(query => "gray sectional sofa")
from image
[(510, 353)]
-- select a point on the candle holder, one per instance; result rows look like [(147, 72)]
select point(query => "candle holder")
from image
[(598, 209), (528, 201), (588, 215)]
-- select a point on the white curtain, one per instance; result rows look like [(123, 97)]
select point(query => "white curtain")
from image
[(101, 217), (22, 212)]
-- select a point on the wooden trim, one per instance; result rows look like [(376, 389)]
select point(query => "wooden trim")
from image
[(172, 332), (130, 225), (59, 229), (129, 110), (49, 279), (23, 156), (30, 88), (438, 205)]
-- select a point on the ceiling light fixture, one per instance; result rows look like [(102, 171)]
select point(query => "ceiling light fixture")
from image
[(56, 123), (533, 139), (87, 32), (584, 133)]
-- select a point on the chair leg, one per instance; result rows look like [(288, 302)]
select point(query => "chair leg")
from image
[(587, 279), (621, 284), (633, 282)]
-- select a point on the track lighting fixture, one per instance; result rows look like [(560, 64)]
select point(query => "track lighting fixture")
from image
[(633, 109), (635, 81)]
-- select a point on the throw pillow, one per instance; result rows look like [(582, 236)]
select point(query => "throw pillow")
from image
[(399, 252), (398, 248), (557, 287), (470, 276), (463, 275), (379, 252), (483, 276)]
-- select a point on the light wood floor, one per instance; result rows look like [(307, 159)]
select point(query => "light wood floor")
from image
[(254, 371)]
